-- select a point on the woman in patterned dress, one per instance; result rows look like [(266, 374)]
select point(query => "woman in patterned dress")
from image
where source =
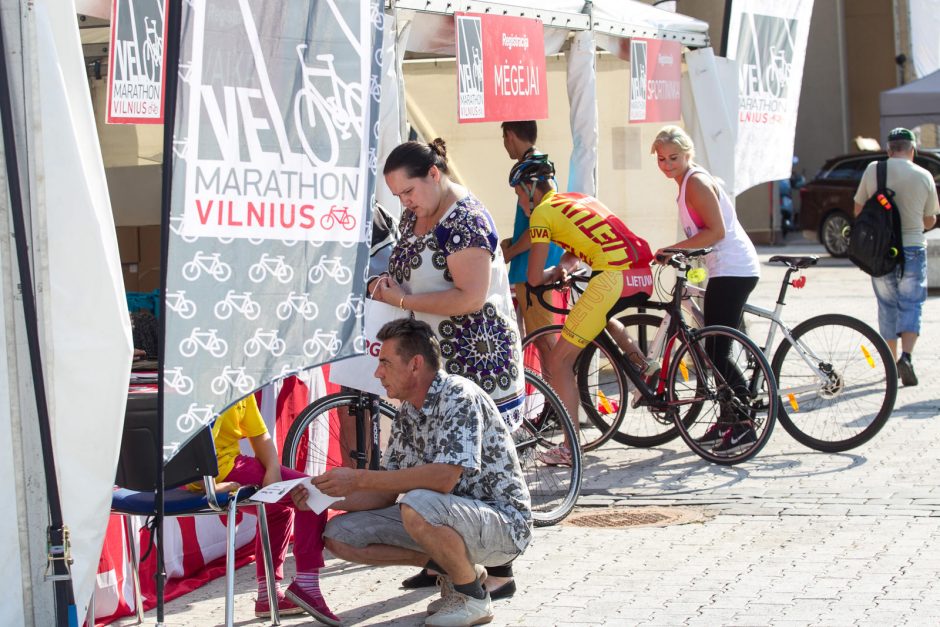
[(447, 270)]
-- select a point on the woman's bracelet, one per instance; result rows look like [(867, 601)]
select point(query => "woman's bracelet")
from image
[(401, 303)]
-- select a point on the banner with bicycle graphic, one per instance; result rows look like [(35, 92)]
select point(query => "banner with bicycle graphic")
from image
[(655, 79), (500, 68), (767, 38), (135, 62), (273, 178)]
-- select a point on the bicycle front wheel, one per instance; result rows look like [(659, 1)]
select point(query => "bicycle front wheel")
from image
[(601, 384), (725, 415), (837, 383), (553, 489), (324, 434)]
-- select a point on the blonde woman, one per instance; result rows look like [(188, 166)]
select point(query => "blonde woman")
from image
[(707, 216)]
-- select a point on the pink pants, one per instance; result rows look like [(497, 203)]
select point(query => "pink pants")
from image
[(308, 530)]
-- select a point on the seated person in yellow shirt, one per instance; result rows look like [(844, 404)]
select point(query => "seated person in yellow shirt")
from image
[(243, 420), (589, 232)]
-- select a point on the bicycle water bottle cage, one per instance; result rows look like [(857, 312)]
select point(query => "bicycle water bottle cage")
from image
[(696, 275), (798, 283)]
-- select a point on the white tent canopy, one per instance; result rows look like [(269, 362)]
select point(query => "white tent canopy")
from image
[(911, 105)]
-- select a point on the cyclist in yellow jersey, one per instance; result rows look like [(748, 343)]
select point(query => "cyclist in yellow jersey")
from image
[(589, 233)]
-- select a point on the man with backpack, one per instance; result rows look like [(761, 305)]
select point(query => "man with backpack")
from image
[(902, 291)]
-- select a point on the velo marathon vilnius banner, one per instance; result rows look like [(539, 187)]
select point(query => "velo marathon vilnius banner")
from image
[(500, 68), (273, 178), (655, 78), (135, 62), (767, 38)]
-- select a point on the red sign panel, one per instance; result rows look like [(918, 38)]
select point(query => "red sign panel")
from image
[(500, 68), (655, 79)]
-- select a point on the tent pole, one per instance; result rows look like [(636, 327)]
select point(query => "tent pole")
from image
[(171, 79), (59, 554), (725, 27)]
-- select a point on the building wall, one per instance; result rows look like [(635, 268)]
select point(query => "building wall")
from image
[(870, 65)]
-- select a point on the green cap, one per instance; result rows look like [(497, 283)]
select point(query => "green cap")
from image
[(900, 133)]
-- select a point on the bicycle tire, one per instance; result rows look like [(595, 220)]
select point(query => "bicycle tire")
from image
[(610, 383), (642, 427), (717, 402), (554, 490), (311, 453), (836, 417)]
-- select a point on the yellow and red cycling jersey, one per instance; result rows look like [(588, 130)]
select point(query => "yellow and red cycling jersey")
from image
[(583, 226)]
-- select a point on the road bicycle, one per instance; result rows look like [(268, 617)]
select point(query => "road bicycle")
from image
[(690, 397), (836, 378), (343, 429)]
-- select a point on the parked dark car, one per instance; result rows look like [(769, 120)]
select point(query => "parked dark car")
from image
[(827, 201)]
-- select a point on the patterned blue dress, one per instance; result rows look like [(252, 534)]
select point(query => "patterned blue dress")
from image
[(483, 346)]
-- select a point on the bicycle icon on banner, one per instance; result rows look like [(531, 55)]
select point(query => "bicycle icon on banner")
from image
[(235, 378), (332, 268), (269, 264), (777, 72), (339, 216), (242, 303), (354, 305), (153, 51), (210, 264), (178, 303), (208, 340), (300, 303), (339, 112), (194, 416), (322, 340), (267, 340), (175, 379)]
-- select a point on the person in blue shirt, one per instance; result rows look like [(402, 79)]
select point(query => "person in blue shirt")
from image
[(519, 140)]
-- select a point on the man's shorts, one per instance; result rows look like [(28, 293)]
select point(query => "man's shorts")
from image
[(534, 316), (484, 530), (607, 293)]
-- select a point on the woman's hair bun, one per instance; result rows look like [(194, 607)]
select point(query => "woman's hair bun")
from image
[(439, 147)]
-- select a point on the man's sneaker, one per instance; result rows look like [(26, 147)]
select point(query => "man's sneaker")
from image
[(314, 605), (447, 588), (714, 435), (739, 437), (906, 371), (460, 610), (285, 607)]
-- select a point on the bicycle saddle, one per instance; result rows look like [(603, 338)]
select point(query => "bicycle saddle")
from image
[(795, 262)]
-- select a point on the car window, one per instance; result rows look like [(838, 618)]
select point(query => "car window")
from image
[(930, 165), (850, 170)]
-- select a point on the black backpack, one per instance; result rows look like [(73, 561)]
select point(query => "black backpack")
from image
[(875, 238)]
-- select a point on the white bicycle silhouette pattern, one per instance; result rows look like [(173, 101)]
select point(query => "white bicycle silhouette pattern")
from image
[(333, 268), (234, 378), (196, 415), (321, 340), (210, 264), (208, 340), (338, 215), (273, 265), (353, 305), (175, 379), (179, 304), (267, 340), (242, 303), (299, 303)]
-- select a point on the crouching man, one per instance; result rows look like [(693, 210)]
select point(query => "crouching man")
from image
[(463, 500)]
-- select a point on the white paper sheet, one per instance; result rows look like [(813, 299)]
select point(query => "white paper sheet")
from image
[(316, 500)]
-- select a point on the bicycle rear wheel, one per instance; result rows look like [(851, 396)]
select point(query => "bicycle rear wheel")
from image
[(740, 417), (853, 401), (600, 382), (642, 426), (324, 434), (554, 490)]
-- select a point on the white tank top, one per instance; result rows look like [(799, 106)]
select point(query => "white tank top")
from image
[(734, 255)]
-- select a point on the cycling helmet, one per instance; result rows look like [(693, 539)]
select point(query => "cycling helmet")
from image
[(531, 169)]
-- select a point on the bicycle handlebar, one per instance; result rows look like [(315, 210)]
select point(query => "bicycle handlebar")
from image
[(540, 290)]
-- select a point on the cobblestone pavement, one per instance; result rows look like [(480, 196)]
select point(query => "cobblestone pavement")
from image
[(793, 537)]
